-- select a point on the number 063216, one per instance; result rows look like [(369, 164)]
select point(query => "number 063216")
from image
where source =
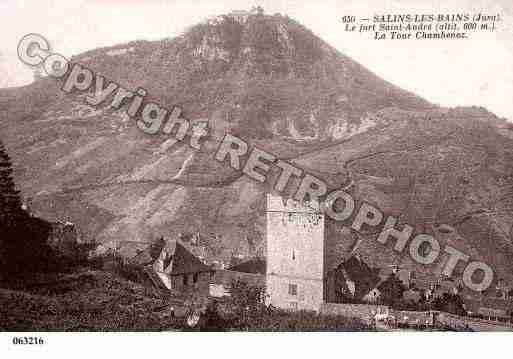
[(28, 341)]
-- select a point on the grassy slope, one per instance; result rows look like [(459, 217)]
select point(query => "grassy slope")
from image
[(83, 301)]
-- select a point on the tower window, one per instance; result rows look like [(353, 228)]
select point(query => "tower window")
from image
[(293, 255), (292, 289)]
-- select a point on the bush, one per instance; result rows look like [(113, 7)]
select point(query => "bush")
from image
[(24, 248), (112, 261), (251, 314), (279, 320), (450, 303)]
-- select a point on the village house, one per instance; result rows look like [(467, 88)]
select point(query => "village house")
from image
[(353, 281), (251, 272), (170, 266), (180, 271)]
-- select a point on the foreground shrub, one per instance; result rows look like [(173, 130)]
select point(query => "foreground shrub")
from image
[(249, 313), (277, 320)]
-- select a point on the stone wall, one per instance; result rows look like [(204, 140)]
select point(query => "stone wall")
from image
[(197, 283), (415, 318), (227, 277), (482, 325), (366, 312), (362, 311)]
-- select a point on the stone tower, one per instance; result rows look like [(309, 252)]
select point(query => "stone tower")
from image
[(295, 254)]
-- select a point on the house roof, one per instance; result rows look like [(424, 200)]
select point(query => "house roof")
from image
[(254, 265), (364, 277), (227, 277), (149, 254), (176, 258), (182, 260)]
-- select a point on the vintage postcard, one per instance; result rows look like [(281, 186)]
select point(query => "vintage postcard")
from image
[(241, 166)]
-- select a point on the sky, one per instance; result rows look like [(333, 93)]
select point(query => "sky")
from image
[(476, 71)]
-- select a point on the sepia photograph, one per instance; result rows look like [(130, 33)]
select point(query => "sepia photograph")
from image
[(316, 167)]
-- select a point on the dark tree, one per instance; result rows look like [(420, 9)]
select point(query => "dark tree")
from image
[(23, 246), (246, 301), (450, 303), (392, 290), (10, 203)]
